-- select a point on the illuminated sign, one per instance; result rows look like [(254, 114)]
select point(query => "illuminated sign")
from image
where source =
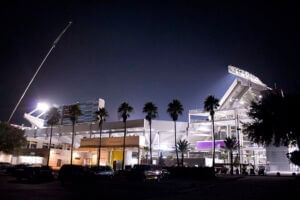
[(244, 74)]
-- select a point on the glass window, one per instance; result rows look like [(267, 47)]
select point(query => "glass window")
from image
[(33, 145)]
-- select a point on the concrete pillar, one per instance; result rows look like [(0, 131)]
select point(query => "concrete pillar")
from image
[(128, 157)]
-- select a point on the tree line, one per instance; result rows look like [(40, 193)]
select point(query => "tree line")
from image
[(275, 121)]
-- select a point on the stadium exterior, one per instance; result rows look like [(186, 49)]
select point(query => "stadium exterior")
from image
[(229, 117), (87, 140)]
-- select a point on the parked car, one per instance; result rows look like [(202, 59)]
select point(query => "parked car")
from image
[(147, 172), (102, 172), (73, 174), (165, 174), (33, 173), (16, 169), (5, 167), (46, 173)]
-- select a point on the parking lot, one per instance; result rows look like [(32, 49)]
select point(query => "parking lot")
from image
[(224, 187)]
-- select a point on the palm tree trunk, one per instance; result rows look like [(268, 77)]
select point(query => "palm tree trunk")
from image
[(73, 133), (176, 144), (214, 146), (99, 146), (150, 143), (49, 146), (182, 157), (231, 162), (125, 130)]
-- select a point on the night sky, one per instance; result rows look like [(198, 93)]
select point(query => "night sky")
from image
[(139, 51)]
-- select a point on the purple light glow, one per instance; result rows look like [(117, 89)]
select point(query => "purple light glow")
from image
[(206, 145)]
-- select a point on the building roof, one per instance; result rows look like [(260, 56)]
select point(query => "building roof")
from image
[(244, 89)]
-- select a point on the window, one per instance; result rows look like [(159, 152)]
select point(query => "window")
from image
[(58, 164), (33, 145)]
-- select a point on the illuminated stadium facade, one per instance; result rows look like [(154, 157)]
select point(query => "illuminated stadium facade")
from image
[(229, 117)]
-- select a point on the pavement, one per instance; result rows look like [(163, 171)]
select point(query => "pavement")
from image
[(222, 187)]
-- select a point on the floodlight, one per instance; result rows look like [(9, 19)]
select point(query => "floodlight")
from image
[(42, 107)]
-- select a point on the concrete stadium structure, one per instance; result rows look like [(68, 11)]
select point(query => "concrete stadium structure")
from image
[(229, 117)]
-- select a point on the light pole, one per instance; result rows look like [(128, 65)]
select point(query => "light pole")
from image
[(38, 69), (238, 137)]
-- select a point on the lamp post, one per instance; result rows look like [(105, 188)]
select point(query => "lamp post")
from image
[(240, 103), (239, 142)]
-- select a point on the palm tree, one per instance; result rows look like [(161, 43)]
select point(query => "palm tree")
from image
[(175, 109), (151, 113), (146, 150), (124, 111), (231, 144), (74, 113), (101, 116), (183, 147), (53, 117), (210, 104)]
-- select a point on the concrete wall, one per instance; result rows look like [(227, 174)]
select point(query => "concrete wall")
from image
[(5, 157), (276, 158)]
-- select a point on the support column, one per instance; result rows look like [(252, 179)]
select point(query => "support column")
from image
[(139, 152), (238, 138)]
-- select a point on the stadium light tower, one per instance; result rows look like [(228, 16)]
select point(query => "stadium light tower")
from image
[(35, 116), (43, 107), (38, 69)]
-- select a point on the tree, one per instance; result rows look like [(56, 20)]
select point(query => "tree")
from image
[(294, 157), (151, 113), (102, 114), (231, 144), (175, 109), (273, 119), (74, 113), (183, 147), (161, 160), (11, 138), (210, 105), (146, 150), (53, 117), (124, 111)]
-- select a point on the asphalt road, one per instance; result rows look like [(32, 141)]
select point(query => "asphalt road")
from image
[(228, 187)]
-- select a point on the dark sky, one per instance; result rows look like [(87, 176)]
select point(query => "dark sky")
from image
[(140, 51)]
